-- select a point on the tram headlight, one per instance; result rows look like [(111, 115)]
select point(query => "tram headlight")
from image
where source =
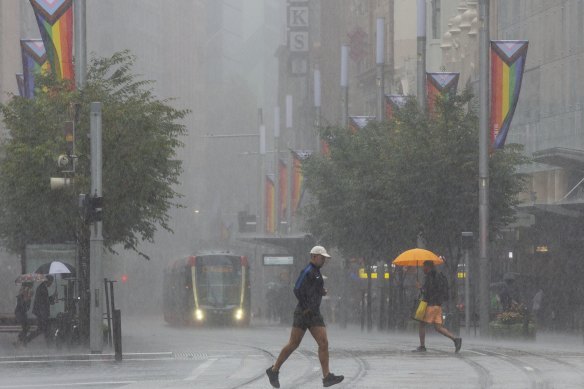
[(199, 315), (239, 314)]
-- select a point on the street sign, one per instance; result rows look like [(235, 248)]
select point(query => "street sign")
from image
[(278, 260)]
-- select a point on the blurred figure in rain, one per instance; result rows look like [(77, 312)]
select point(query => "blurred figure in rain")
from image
[(507, 296), (23, 301), (309, 290), (536, 306), (42, 310), (271, 296)]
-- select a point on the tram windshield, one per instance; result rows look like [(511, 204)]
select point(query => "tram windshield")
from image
[(218, 280)]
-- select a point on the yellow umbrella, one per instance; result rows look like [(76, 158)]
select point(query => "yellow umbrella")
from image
[(417, 257)]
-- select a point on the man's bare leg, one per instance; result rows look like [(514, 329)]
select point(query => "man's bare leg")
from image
[(296, 336), (319, 334), (422, 334), (441, 329)]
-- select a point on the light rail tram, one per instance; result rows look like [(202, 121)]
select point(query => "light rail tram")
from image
[(207, 288)]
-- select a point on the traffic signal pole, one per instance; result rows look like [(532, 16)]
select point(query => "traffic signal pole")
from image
[(96, 238)]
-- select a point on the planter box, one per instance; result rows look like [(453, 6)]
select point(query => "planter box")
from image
[(500, 330)]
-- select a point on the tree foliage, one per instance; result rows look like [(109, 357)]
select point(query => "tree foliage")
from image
[(141, 134), (381, 186)]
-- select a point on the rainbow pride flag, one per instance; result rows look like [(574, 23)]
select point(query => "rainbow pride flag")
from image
[(393, 103), (55, 20), (20, 83), (507, 65), (270, 205), (283, 183), (440, 84), (34, 61), (297, 178)]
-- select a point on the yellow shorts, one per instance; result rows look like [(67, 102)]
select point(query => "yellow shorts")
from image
[(433, 314)]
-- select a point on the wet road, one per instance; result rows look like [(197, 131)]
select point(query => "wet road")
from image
[(160, 356)]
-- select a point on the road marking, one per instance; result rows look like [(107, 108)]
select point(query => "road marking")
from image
[(81, 361), (529, 368), (73, 384), (200, 369), (476, 352)]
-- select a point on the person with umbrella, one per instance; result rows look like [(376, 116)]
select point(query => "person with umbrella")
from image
[(42, 309), (434, 292), (23, 301)]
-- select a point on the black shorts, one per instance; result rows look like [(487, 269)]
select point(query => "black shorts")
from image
[(308, 320)]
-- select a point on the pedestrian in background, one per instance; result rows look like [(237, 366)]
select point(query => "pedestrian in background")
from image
[(536, 307), (434, 292), (309, 290), (42, 310), (23, 301)]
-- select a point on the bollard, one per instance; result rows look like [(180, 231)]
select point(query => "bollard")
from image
[(108, 313), (117, 324)]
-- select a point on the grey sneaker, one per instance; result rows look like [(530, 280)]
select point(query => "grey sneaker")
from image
[(273, 377), (332, 379), (420, 349), (457, 344)]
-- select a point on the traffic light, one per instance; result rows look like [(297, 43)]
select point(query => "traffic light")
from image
[(69, 137), (66, 162), (92, 208)]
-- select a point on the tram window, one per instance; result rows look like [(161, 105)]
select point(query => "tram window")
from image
[(218, 280)]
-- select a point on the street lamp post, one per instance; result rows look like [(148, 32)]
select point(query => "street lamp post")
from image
[(380, 60), (96, 239), (262, 171), (421, 41), (345, 85), (484, 167), (80, 43)]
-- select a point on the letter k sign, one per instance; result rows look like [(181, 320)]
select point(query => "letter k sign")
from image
[(298, 17)]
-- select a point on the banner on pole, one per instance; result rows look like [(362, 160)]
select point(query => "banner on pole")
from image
[(440, 84), (393, 103), (507, 66), (270, 205), (357, 123), (55, 21), (283, 183), (34, 61), (20, 83)]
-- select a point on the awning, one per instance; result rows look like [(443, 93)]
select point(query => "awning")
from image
[(563, 157)]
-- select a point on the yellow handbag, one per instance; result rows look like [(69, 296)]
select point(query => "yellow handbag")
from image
[(420, 310)]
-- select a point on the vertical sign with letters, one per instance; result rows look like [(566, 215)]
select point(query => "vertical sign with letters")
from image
[(298, 36)]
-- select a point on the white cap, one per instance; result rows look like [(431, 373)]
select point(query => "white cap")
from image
[(319, 250)]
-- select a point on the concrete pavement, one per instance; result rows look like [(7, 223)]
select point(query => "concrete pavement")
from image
[(160, 356)]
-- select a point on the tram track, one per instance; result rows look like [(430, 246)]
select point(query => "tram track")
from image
[(533, 375)]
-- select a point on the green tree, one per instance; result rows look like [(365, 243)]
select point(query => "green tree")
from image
[(140, 136), (382, 186)]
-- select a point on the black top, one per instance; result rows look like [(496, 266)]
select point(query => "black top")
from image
[(309, 288), (42, 302), (431, 289)]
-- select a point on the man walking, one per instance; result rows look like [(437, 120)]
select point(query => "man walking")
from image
[(42, 310), (309, 289), (434, 292)]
